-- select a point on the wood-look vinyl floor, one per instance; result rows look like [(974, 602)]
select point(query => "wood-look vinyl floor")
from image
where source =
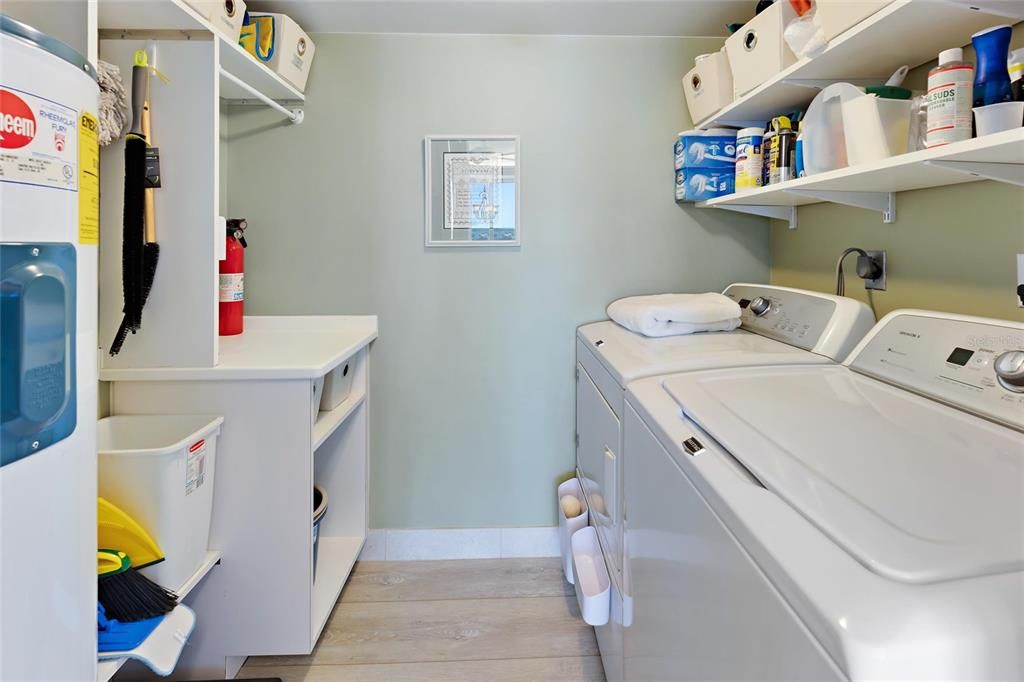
[(501, 620)]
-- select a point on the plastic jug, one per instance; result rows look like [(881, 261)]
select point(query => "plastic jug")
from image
[(824, 146)]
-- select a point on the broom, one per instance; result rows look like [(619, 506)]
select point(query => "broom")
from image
[(125, 594), (139, 252)]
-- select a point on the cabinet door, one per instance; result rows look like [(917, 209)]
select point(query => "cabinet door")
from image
[(597, 458)]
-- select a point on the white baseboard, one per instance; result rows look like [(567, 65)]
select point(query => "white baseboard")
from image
[(397, 544)]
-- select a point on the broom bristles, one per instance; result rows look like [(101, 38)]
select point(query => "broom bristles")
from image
[(130, 596)]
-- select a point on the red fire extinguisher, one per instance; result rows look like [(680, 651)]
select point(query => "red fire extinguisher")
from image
[(232, 279)]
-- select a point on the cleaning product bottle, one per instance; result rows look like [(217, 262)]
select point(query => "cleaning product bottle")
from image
[(749, 163), (950, 87), (1015, 65), (766, 154), (992, 79), (798, 152), (782, 150)]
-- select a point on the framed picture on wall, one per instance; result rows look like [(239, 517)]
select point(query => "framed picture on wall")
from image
[(472, 190)]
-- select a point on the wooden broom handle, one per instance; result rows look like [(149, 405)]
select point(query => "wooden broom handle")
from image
[(150, 193)]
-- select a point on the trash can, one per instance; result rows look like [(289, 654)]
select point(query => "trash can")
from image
[(160, 471), (319, 511)]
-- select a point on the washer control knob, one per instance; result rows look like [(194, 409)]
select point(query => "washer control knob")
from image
[(1009, 369), (760, 306)]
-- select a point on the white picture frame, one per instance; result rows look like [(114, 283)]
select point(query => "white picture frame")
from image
[(472, 189)]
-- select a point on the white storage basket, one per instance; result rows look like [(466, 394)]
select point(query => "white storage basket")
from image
[(758, 51), (160, 471), (566, 526), (708, 85), (293, 50), (337, 385), (593, 584)]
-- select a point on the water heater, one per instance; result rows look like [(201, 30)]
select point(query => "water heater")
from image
[(49, 234)]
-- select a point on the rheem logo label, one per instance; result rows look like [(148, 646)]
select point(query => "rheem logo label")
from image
[(17, 122)]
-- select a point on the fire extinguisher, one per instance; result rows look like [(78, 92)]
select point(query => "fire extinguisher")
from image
[(232, 279)]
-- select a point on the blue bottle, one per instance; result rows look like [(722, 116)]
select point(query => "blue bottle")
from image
[(991, 76)]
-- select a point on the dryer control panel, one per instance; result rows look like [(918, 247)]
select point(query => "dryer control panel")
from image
[(974, 365), (821, 323)]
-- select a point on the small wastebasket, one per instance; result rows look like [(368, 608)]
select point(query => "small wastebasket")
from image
[(319, 511)]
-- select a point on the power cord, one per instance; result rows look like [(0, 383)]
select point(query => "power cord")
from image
[(867, 268)]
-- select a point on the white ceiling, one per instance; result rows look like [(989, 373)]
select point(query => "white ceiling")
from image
[(528, 17)]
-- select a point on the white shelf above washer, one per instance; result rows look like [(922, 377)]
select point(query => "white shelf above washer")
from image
[(908, 32), (995, 157)]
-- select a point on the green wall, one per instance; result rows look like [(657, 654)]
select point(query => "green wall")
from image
[(951, 248), (472, 389)]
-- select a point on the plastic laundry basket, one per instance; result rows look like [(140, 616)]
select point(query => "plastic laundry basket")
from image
[(159, 470)]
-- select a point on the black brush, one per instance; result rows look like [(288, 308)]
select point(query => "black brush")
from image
[(127, 595), (133, 225)]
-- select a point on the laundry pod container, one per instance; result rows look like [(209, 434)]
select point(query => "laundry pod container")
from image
[(160, 471), (319, 512)]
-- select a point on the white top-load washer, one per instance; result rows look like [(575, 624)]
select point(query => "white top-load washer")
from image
[(863, 521), (780, 326)]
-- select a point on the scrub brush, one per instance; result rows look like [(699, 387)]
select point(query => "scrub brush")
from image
[(125, 594)]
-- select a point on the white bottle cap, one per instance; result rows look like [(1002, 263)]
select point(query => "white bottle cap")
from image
[(953, 54)]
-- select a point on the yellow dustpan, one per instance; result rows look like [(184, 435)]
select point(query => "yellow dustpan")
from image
[(117, 530)]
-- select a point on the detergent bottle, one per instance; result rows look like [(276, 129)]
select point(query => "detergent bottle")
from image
[(991, 76)]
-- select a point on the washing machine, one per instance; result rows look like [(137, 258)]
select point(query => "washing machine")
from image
[(779, 326), (861, 521)]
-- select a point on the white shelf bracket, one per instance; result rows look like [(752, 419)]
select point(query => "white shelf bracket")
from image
[(787, 213), (293, 115), (883, 202), (1011, 173)]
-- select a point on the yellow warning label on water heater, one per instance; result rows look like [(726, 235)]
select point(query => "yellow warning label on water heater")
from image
[(88, 179)]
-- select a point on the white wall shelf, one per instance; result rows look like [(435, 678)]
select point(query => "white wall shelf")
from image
[(908, 32), (328, 421), (872, 186), (107, 668)]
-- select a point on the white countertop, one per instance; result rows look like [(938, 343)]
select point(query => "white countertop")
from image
[(272, 347)]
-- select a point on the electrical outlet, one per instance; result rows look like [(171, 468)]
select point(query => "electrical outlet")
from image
[(878, 284), (1020, 280)]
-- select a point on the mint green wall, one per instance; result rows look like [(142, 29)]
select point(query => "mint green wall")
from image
[(951, 248), (473, 392)]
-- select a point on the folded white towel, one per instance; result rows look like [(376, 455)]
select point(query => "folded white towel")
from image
[(673, 314)]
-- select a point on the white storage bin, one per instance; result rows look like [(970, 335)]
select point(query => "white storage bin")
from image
[(875, 128), (225, 16), (593, 585), (293, 50), (758, 51), (337, 385), (835, 16), (566, 526), (708, 85), (160, 471), (318, 392)]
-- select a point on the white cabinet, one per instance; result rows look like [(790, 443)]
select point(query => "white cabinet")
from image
[(273, 447)]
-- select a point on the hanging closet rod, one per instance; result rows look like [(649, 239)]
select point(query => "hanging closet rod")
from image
[(293, 115)]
